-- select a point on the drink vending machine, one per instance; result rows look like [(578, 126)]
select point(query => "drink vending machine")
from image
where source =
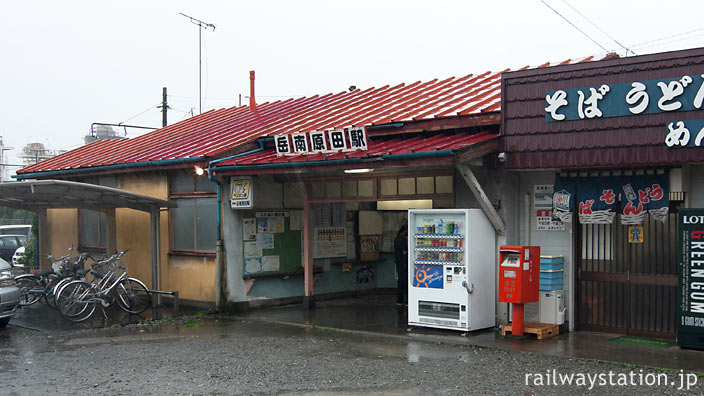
[(451, 269)]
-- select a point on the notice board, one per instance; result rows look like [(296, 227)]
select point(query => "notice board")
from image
[(271, 241)]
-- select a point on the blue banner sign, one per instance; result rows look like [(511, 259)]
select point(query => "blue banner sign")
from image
[(648, 97), (689, 133)]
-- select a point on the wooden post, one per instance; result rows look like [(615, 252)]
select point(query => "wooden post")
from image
[(155, 227), (307, 249), (484, 202), (43, 238), (111, 228)]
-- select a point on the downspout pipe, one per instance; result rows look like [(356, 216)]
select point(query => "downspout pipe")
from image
[(219, 243)]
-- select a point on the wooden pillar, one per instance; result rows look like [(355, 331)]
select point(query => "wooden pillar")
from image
[(155, 243), (43, 236), (481, 197), (307, 248), (111, 231)]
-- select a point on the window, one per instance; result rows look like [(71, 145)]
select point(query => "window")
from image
[(194, 221), (92, 225)]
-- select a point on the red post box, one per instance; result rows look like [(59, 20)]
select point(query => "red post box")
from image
[(519, 279)]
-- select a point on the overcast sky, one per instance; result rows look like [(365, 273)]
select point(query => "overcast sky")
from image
[(66, 64)]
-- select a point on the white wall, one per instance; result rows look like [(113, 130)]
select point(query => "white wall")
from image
[(552, 243)]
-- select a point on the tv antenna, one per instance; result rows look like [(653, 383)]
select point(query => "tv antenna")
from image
[(201, 26)]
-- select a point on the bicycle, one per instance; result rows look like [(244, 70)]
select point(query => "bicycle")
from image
[(78, 299), (34, 287)]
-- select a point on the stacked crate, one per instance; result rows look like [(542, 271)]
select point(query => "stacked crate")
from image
[(551, 273)]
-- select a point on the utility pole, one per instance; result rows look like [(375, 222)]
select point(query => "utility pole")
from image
[(164, 106), (201, 26)]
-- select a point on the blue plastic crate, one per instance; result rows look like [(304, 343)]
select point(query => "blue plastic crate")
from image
[(550, 284), (551, 263), (551, 274)]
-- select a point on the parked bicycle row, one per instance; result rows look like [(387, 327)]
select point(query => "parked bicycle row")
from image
[(76, 292)]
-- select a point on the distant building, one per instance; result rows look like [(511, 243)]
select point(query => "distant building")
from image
[(3, 161), (99, 132), (36, 152)]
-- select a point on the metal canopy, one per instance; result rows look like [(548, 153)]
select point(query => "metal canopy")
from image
[(58, 194), (40, 195)]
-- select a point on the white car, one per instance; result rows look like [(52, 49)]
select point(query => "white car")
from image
[(19, 253)]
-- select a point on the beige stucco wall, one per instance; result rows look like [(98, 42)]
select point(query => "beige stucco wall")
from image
[(63, 232), (193, 277)]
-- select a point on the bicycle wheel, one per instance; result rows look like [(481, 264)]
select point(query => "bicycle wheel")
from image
[(30, 289), (51, 289), (74, 301), (133, 296)]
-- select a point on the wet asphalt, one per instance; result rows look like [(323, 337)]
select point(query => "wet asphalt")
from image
[(203, 354)]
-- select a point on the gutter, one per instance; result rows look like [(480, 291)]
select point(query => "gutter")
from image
[(219, 243), (106, 167)]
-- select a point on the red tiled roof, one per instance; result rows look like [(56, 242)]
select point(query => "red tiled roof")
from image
[(205, 136), (378, 147)]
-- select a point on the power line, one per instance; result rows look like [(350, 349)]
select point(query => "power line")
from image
[(573, 25), (133, 117), (669, 37), (673, 41), (600, 29)]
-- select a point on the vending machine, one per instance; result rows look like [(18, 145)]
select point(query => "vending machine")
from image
[(451, 269)]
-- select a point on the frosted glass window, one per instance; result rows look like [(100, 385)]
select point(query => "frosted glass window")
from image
[(349, 189), (93, 229), (388, 187), (204, 184), (182, 182), (195, 224), (443, 184), (366, 188), (183, 224), (334, 189), (425, 185), (317, 190), (188, 181), (206, 223), (407, 186), (442, 204)]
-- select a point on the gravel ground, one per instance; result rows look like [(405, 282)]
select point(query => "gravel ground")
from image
[(206, 356)]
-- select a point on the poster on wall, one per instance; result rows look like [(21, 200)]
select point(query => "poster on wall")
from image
[(542, 203), (249, 229), (253, 265), (270, 263), (329, 242), (690, 282)]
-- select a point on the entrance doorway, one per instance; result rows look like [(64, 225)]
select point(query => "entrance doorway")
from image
[(626, 287)]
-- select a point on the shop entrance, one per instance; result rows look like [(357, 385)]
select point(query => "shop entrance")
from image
[(627, 278)]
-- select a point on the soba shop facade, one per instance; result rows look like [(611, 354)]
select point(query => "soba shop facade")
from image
[(617, 145)]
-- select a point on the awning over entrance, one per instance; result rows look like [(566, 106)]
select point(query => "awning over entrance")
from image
[(40, 195), (380, 149)]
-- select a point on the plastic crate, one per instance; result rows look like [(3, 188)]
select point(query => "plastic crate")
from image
[(550, 280), (551, 263)]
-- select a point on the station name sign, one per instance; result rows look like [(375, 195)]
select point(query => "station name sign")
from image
[(330, 141), (684, 93)]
